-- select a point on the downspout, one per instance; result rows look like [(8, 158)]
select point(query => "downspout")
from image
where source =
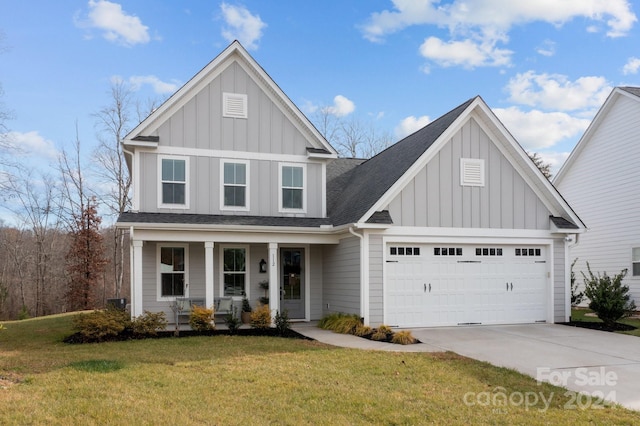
[(364, 312)]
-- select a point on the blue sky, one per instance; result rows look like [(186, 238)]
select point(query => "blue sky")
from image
[(544, 66)]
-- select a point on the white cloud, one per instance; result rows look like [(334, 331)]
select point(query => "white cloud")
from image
[(467, 53), (555, 91), (116, 24), (547, 48), (30, 143), (632, 66), (410, 125), (160, 87), (341, 107), (241, 25), (536, 130)]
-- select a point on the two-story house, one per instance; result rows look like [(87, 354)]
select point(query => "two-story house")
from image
[(233, 186)]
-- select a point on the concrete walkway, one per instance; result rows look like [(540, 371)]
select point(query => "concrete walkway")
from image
[(600, 364)]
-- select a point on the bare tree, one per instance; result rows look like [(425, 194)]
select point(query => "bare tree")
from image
[(114, 121), (545, 168)]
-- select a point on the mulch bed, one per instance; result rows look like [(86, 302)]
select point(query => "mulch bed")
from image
[(599, 326), (77, 338)]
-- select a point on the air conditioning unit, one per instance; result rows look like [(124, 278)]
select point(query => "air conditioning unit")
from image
[(117, 303)]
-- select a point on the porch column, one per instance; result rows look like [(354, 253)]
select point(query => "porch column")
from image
[(274, 282), (208, 273), (136, 278)]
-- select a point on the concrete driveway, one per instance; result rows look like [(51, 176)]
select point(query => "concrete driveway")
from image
[(598, 363)]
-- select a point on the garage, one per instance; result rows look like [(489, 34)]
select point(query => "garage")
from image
[(461, 284)]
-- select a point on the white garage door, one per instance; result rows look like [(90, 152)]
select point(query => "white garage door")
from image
[(449, 284)]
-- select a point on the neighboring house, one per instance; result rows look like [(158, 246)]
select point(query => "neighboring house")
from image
[(600, 179), (232, 186)]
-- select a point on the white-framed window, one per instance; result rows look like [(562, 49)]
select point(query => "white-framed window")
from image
[(293, 194), (173, 271), (235, 273), (173, 191), (635, 261), (234, 105), (471, 172), (234, 175)]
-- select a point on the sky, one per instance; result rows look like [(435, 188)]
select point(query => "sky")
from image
[(544, 66)]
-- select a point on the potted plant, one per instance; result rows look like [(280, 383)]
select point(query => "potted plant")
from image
[(265, 286), (245, 315)]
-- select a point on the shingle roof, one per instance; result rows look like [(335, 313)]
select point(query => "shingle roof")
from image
[(210, 219), (370, 180), (632, 90), (562, 223)]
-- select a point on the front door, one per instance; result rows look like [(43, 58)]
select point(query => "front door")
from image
[(292, 282)]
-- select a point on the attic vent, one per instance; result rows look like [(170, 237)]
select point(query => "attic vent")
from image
[(471, 172), (234, 105)]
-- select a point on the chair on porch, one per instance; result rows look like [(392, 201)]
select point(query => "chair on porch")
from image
[(184, 305), (222, 306)]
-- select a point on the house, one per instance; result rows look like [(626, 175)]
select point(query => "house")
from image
[(233, 186), (600, 180)]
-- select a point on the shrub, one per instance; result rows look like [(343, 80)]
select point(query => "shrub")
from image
[(100, 325), (261, 317), (362, 330), (232, 321), (340, 323), (246, 306), (201, 318), (282, 322), (576, 296), (403, 338), (24, 313), (382, 333), (608, 297), (149, 323)]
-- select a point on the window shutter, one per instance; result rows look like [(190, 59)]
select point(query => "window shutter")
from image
[(471, 172), (234, 105)]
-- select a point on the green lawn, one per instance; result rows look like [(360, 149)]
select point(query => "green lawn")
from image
[(255, 380), (580, 314)]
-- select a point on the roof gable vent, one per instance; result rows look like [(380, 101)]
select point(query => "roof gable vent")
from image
[(234, 105), (471, 172)]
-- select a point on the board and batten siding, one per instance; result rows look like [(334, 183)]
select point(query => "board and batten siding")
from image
[(602, 187), (435, 198), (205, 187), (341, 266)]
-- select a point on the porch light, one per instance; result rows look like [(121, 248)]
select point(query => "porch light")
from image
[(263, 266)]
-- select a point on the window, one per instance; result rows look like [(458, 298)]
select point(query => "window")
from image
[(404, 251), (292, 196), (234, 105), (635, 261), (235, 192), (234, 271), (173, 269), (488, 251), (173, 188), (528, 252), (471, 172), (447, 251)]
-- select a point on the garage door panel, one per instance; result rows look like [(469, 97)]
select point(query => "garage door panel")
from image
[(466, 284)]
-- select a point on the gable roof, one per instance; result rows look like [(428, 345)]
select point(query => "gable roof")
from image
[(143, 133), (372, 185), (616, 93)]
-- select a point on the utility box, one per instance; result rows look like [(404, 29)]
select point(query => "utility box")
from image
[(117, 303)]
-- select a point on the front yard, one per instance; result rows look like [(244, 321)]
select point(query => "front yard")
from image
[(260, 380)]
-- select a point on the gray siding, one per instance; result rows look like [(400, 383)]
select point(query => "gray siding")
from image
[(559, 296), (316, 273), (602, 187), (376, 290), (341, 265), (435, 198)]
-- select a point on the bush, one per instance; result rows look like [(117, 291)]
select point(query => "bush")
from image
[(100, 325), (282, 322), (24, 313), (201, 318), (232, 321), (362, 330), (403, 338), (383, 332), (246, 306), (608, 297), (340, 323), (261, 317), (149, 323), (576, 296)]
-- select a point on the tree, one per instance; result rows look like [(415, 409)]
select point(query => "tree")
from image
[(608, 297), (545, 168), (85, 260)]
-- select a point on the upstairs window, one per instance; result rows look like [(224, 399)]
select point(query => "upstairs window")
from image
[(173, 182), (234, 178), (635, 261), (292, 195)]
